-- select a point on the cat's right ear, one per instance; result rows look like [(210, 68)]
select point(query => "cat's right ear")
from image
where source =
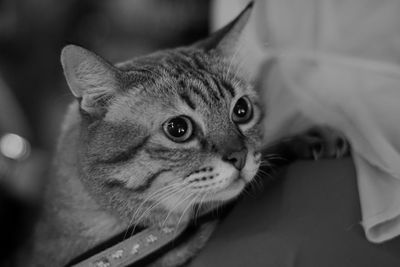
[(226, 40), (90, 78)]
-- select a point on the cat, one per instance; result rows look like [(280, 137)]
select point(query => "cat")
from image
[(149, 140), (145, 142)]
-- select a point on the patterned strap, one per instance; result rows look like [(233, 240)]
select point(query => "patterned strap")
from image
[(134, 248)]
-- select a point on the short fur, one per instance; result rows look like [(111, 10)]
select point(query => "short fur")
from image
[(115, 165)]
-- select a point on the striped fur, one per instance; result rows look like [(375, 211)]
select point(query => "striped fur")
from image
[(127, 146), (128, 167)]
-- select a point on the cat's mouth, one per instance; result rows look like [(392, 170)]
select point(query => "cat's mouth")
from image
[(238, 182), (221, 187), (221, 180), (231, 191), (216, 181)]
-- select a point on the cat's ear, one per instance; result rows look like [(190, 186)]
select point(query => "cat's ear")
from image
[(90, 78), (226, 39)]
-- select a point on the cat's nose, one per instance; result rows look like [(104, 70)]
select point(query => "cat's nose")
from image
[(237, 158)]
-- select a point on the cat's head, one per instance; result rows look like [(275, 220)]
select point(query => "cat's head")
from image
[(178, 127)]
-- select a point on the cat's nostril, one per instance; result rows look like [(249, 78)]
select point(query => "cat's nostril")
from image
[(237, 159)]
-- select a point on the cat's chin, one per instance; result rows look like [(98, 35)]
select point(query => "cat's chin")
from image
[(231, 191)]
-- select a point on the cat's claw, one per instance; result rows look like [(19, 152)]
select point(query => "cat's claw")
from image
[(327, 143), (342, 147), (316, 143), (316, 151)]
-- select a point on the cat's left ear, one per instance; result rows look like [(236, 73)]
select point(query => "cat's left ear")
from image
[(226, 40), (90, 78)]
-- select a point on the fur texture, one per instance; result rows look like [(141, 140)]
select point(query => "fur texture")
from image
[(117, 163)]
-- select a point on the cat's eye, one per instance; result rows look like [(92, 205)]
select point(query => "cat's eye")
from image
[(242, 111), (178, 129)]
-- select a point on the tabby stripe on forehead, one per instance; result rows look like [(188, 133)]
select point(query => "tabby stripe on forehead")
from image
[(122, 156), (228, 88), (186, 98), (199, 93), (210, 89), (149, 181), (218, 86), (185, 65), (197, 62)]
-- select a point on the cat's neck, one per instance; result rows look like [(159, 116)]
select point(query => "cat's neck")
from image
[(72, 222)]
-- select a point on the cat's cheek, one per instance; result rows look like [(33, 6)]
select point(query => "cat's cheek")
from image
[(232, 191), (252, 165), (178, 203), (225, 175)]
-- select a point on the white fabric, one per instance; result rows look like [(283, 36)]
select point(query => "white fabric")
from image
[(337, 64), (362, 99)]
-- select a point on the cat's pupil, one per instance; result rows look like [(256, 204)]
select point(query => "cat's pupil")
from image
[(241, 108), (177, 127)]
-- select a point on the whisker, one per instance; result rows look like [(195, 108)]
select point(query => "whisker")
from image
[(201, 202), (258, 184), (150, 196), (262, 172), (161, 198), (272, 157), (190, 204), (239, 67), (252, 184), (257, 179), (180, 202), (232, 59), (177, 205), (160, 193)]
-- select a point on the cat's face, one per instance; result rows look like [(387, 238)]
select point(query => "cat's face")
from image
[(188, 134), (191, 129), (166, 132)]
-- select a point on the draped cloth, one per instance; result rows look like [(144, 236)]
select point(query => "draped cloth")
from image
[(336, 63)]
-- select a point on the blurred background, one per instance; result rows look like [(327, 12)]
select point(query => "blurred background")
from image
[(33, 32)]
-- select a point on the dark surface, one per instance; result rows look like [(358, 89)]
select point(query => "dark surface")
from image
[(309, 217), (16, 224)]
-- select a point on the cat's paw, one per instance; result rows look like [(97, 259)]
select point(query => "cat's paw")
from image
[(325, 142), (316, 143)]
